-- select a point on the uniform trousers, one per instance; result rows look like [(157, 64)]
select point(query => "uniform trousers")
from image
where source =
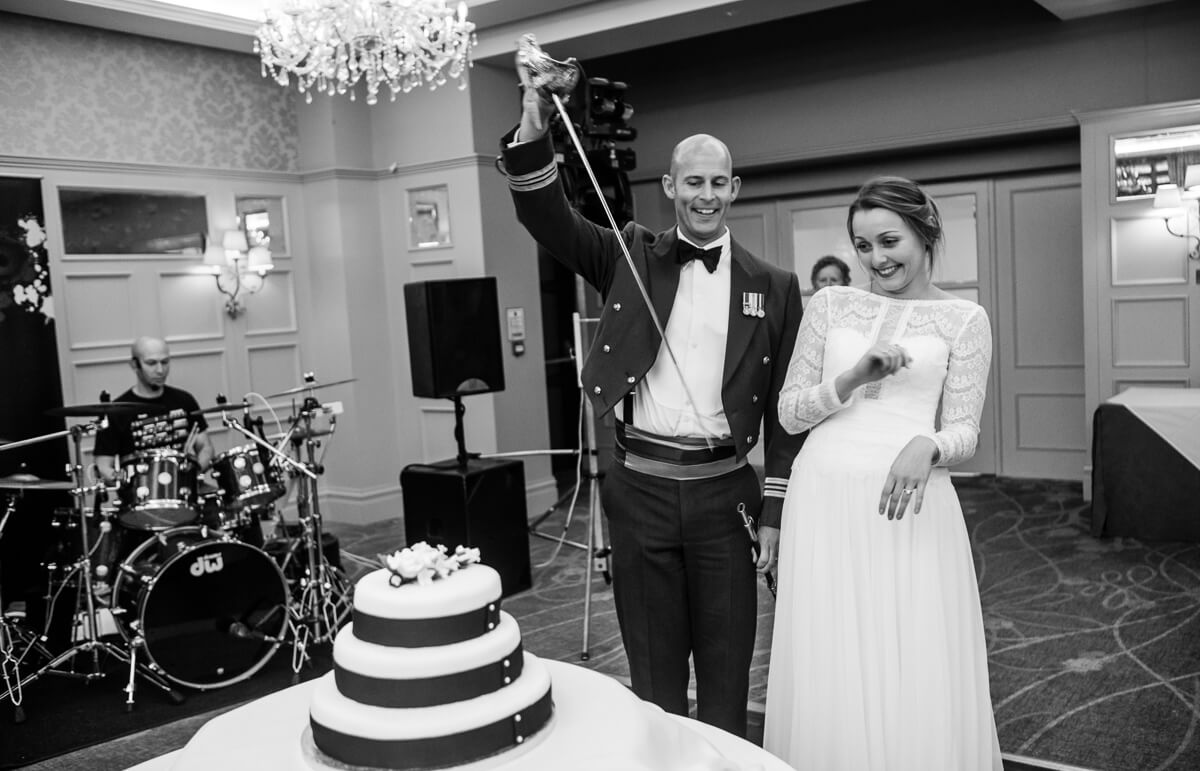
[(684, 583)]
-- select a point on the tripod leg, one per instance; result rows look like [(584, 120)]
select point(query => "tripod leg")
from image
[(593, 512)]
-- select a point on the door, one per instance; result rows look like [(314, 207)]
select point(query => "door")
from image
[(1039, 326)]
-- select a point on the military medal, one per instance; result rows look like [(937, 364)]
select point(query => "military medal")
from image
[(753, 304)]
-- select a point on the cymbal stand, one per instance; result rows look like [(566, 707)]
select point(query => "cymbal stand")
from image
[(324, 602), (85, 598), (12, 634)]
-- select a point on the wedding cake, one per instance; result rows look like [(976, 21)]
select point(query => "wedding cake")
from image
[(430, 673)]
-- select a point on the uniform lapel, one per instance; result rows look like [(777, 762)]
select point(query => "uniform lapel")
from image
[(744, 277), (664, 275)]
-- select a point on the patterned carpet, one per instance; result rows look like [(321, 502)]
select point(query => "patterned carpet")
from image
[(1093, 644)]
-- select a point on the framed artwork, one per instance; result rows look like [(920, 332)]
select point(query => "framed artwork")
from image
[(263, 219), (97, 221), (429, 217)]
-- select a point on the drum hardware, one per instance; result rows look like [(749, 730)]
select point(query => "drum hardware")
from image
[(15, 637), (323, 604), (88, 641), (310, 384), (158, 490), (24, 481), (205, 609), (104, 409)]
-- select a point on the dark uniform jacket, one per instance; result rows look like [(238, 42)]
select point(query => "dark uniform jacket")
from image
[(757, 350)]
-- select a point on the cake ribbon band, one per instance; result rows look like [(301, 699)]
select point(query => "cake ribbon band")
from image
[(435, 751), (430, 691), (424, 632)]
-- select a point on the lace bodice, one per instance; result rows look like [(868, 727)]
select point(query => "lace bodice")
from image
[(940, 394)]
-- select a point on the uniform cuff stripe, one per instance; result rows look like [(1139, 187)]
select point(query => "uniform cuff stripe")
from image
[(534, 180)]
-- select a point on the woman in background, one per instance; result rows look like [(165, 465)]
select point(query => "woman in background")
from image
[(878, 660), (829, 271)]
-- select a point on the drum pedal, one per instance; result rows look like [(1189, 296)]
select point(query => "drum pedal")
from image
[(105, 625)]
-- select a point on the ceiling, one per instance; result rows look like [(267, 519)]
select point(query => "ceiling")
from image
[(592, 28)]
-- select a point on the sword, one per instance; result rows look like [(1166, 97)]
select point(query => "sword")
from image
[(748, 523)]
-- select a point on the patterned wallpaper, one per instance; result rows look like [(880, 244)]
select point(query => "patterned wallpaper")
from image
[(75, 92)]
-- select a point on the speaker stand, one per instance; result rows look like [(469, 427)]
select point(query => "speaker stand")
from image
[(460, 441)]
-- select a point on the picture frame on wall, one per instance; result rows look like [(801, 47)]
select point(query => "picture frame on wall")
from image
[(429, 217), (264, 218)]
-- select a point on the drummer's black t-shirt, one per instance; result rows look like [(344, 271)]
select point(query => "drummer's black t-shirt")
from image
[(127, 434)]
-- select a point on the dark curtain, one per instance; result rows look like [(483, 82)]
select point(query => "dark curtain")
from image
[(30, 384)]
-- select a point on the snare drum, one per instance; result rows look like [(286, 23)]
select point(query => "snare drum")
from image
[(211, 610), (157, 490), (245, 480)]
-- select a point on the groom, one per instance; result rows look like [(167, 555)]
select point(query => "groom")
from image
[(683, 575)]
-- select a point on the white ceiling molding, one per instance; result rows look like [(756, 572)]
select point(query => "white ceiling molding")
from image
[(585, 28)]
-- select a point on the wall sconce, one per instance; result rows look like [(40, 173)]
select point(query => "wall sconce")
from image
[(237, 267), (1184, 212)]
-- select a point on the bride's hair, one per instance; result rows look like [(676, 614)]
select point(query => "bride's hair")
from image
[(906, 199)]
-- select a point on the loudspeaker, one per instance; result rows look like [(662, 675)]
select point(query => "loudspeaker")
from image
[(454, 343), (480, 505)]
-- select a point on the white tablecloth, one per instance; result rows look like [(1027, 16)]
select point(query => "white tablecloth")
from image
[(594, 716), (1173, 413)]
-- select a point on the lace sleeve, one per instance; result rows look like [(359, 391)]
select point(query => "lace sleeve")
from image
[(804, 400), (964, 390)]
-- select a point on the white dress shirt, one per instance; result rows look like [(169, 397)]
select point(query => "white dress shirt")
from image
[(697, 330)]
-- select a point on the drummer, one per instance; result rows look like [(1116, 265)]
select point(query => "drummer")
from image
[(187, 430), (174, 425)]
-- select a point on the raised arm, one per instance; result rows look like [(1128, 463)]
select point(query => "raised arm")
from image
[(805, 400)]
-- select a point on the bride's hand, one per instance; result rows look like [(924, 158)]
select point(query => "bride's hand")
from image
[(880, 361), (906, 480), (877, 363)]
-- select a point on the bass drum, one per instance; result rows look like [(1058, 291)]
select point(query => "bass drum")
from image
[(211, 610)]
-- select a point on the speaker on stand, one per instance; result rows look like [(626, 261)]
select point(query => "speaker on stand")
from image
[(455, 350)]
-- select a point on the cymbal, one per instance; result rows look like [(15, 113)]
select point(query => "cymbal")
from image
[(30, 482), (227, 407), (106, 408), (310, 386)]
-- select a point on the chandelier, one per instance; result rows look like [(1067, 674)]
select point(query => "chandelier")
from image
[(329, 45)]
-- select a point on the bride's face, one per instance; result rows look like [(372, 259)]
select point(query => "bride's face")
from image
[(891, 253)]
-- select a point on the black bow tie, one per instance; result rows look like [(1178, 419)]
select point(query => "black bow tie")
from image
[(685, 253)]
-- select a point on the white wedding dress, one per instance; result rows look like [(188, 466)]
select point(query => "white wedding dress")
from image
[(878, 660)]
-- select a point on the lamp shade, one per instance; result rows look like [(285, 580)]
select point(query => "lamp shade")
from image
[(259, 258), (214, 254), (235, 241), (1167, 197), (1191, 177)]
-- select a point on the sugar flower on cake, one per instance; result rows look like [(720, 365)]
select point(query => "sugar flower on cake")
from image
[(422, 563)]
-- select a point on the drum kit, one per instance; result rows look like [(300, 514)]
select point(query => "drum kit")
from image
[(194, 601)]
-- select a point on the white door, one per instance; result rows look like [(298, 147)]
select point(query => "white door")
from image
[(1039, 326)]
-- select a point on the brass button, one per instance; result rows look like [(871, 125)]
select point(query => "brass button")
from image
[(750, 439), (596, 389), (754, 399), (616, 306), (766, 360), (631, 379), (607, 348)]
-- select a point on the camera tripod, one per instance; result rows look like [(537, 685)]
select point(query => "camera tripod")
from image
[(595, 548)]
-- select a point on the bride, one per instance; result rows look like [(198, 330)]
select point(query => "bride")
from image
[(878, 660)]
